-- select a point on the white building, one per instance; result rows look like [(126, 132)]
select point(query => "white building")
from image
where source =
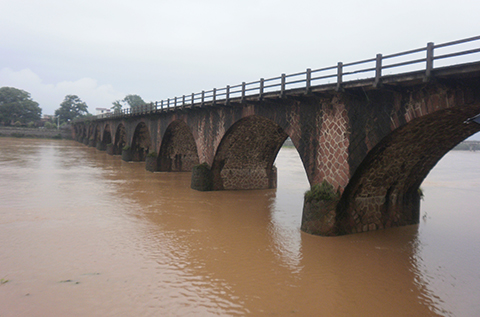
[(100, 111)]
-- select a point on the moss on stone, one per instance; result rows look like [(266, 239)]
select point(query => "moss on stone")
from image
[(152, 154), (323, 191)]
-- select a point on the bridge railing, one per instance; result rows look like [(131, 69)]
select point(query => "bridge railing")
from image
[(332, 77)]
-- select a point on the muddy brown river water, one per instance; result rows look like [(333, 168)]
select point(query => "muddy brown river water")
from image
[(86, 234)]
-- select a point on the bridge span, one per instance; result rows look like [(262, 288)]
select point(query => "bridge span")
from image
[(374, 139)]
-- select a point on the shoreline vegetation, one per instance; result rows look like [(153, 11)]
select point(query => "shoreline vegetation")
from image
[(36, 133), (467, 146)]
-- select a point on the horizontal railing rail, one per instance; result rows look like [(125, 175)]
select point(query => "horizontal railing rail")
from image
[(334, 76)]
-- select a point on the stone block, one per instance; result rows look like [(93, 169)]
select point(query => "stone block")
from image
[(127, 155), (151, 163), (101, 147), (109, 149), (319, 217), (202, 177)]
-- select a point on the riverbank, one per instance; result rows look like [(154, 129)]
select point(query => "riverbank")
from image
[(468, 146), (36, 133)]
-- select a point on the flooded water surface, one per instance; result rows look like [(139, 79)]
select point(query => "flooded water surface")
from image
[(83, 233)]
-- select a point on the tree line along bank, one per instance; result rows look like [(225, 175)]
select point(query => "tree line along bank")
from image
[(18, 109)]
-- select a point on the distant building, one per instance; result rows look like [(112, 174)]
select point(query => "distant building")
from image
[(47, 117), (102, 111)]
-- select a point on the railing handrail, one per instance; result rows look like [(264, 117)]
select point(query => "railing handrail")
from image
[(285, 82)]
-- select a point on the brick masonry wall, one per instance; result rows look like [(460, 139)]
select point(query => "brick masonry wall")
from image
[(332, 158)]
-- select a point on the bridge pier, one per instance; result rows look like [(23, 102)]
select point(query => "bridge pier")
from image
[(318, 217), (204, 179), (248, 178), (109, 149), (127, 154)]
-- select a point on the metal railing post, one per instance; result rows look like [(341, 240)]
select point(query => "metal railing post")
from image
[(203, 97), (214, 97), (243, 92), (227, 95), (428, 71), (308, 81), (339, 75), (282, 86), (378, 70), (260, 92), (193, 99), (183, 102)]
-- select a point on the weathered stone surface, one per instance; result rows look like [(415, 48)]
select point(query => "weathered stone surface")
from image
[(151, 163), (110, 149), (178, 152), (245, 157), (319, 217), (202, 178), (101, 146), (141, 143), (127, 155)]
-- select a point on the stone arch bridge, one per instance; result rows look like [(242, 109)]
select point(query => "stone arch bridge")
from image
[(374, 140)]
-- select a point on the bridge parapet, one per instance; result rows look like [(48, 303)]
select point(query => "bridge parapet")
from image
[(416, 64)]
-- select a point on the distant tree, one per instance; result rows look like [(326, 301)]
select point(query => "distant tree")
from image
[(117, 106), (71, 107), (16, 105), (134, 101)]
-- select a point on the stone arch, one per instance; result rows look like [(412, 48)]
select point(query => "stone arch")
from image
[(86, 133), (78, 132), (107, 135), (82, 133), (105, 138), (92, 136), (245, 156), (384, 190), (141, 143), (120, 139), (97, 135), (178, 151)]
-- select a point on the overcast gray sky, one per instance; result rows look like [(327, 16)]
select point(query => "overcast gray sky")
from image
[(103, 50)]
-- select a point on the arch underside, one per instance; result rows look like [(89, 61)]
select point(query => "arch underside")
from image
[(384, 190), (178, 152), (120, 140), (245, 157), (141, 143), (107, 135)]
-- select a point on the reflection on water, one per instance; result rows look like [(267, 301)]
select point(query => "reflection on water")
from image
[(86, 234)]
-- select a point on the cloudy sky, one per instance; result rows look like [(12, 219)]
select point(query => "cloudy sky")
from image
[(103, 50)]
